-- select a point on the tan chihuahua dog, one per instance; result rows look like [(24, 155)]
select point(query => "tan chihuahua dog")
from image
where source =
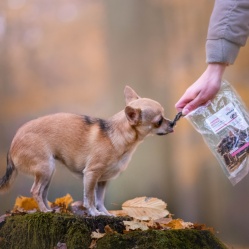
[(96, 149)]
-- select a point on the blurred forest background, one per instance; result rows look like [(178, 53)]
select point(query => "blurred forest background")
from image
[(77, 56)]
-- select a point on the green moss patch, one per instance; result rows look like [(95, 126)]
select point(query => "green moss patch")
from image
[(45, 230), (156, 239)]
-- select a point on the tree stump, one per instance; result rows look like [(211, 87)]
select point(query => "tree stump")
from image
[(51, 230)]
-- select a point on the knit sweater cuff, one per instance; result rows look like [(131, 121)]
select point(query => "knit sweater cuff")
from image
[(221, 51)]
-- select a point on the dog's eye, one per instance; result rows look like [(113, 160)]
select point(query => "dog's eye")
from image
[(158, 123)]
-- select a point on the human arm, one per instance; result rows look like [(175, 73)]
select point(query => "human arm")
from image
[(228, 31)]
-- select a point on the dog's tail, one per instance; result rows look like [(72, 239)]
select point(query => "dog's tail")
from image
[(10, 174)]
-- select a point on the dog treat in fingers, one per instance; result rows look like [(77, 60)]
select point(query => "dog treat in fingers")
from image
[(177, 117), (224, 126)]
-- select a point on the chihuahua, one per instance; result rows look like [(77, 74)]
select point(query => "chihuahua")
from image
[(95, 149)]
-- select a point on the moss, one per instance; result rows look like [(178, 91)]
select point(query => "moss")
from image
[(99, 223), (156, 239), (39, 230), (77, 235), (45, 230)]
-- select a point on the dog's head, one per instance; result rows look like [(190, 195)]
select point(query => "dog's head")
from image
[(145, 115)]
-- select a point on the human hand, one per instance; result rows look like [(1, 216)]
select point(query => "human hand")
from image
[(203, 90)]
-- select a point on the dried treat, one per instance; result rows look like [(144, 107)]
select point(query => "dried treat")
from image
[(234, 148), (224, 125), (177, 117)]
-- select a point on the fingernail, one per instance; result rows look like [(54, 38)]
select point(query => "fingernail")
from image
[(185, 111)]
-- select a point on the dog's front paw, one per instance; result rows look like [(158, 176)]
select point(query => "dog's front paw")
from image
[(95, 212), (102, 209), (108, 214)]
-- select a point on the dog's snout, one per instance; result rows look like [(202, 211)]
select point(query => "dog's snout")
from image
[(170, 129), (171, 124)]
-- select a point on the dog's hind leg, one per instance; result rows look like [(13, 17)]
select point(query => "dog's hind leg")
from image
[(45, 192), (40, 187)]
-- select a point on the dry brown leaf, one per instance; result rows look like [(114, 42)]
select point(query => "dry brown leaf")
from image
[(108, 230), (93, 244), (187, 225), (97, 235), (118, 212), (163, 221), (203, 227), (77, 208), (135, 225), (145, 208), (150, 223)]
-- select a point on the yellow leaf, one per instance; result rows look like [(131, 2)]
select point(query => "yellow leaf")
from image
[(63, 201), (144, 208), (179, 224), (26, 203)]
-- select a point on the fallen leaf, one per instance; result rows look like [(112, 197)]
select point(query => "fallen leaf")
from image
[(150, 223), (163, 221), (187, 225), (63, 201), (135, 225), (179, 224), (29, 204), (25, 203), (145, 208), (108, 230), (203, 227), (93, 244), (97, 235), (118, 212), (77, 208)]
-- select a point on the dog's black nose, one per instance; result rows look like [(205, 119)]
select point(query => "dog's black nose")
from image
[(171, 124)]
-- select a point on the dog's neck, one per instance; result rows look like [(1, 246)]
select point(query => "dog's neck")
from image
[(122, 133)]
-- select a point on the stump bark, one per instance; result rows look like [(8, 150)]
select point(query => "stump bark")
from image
[(50, 230)]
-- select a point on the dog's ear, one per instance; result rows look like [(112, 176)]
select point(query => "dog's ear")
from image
[(130, 95), (133, 115)]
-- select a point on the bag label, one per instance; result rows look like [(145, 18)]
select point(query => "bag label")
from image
[(226, 116)]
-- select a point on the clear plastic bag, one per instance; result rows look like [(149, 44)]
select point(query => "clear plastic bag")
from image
[(224, 126)]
